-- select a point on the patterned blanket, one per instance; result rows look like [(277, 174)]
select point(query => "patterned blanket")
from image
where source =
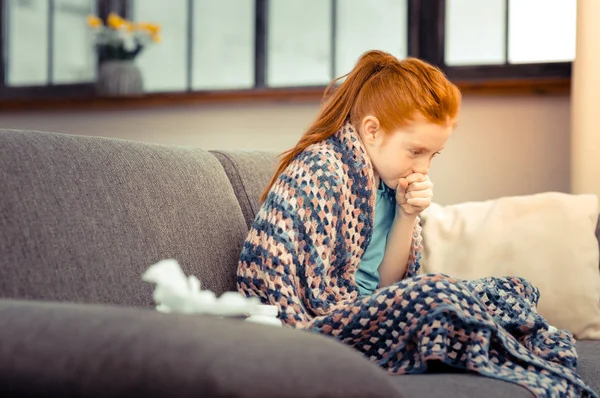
[(305, 246)]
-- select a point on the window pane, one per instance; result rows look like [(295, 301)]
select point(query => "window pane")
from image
[(363, 26), (475, 32), (164, 64), (223, 44), (27, 42), (74, 59), (541, 30), (299, 43)]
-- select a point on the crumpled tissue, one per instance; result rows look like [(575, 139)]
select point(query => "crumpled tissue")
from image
[(176, 293)]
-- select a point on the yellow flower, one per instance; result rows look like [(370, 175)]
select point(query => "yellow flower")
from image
[(154, 28), (150, 27), (128, 26), (115, 21), (94, 21)]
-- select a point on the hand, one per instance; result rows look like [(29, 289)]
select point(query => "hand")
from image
[(414, 193)]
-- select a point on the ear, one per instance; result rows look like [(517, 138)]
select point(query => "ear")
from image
[(371, 129)]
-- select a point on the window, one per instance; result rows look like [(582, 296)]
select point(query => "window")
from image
[(299, 43), (507, 38), (279, 46), (73, 59), (223, 45), (541, 31), (27, 30), (475, 32), (46, 47), (164, 66), (362, 26), (48, 42)]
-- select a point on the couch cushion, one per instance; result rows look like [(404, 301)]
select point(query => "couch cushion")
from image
[(70, 350), (457, 386), (469, 385), (588, 364), (249, 173), (81, 218)]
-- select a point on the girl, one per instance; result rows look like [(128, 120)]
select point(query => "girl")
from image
[(336, 244)]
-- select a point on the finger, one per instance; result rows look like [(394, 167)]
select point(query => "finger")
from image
[(403, 184), (420, 186), (419, 203), (427, 193), (416, 177)]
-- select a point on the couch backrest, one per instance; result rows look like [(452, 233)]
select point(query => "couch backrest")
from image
[(249, 172), (81, 218)]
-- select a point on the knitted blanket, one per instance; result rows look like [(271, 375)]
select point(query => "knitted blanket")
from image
[(304, 248)]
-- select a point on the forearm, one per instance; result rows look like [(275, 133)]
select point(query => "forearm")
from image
[(397, 250)]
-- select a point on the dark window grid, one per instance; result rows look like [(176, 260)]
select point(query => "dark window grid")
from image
[(261, 43), (426, 30), (435, 23), (48, 91), (261, 24), (123, 8)]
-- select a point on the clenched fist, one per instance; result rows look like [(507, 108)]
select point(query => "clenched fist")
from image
[(414, 193)]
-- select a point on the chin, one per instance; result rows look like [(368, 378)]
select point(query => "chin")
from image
[(391, 184)]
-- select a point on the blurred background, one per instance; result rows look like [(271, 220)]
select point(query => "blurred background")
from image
[(249, 74)]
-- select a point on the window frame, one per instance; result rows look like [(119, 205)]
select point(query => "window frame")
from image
[(426, 29), (49, 91), (434, 52)]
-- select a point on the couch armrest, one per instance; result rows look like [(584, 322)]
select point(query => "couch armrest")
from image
[(59, 350)]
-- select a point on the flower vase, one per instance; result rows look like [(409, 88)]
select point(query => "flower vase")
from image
[(119, 78)]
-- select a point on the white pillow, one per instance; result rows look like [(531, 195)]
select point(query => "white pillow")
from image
[(547, 238)]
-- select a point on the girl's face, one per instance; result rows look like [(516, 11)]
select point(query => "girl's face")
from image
[(405, 151)]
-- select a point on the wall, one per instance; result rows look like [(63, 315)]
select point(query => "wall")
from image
[(585, 146), (503, 146)]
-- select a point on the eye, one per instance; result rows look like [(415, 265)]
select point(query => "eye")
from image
[(416, 152)]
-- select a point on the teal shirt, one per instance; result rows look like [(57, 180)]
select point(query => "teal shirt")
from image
[(367, 275)]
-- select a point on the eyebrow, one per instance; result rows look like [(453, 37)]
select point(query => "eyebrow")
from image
[(417, 148)]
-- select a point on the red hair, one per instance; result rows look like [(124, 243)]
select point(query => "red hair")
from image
[(383, 86)]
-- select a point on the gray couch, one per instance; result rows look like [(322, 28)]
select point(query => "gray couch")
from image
[(81, 218)]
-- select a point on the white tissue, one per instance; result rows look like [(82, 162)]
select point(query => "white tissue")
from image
[(174, 292)]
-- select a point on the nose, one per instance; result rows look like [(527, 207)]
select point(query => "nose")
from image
[(422, 166)]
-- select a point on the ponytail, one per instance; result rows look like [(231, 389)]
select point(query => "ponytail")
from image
[(381, 85)]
